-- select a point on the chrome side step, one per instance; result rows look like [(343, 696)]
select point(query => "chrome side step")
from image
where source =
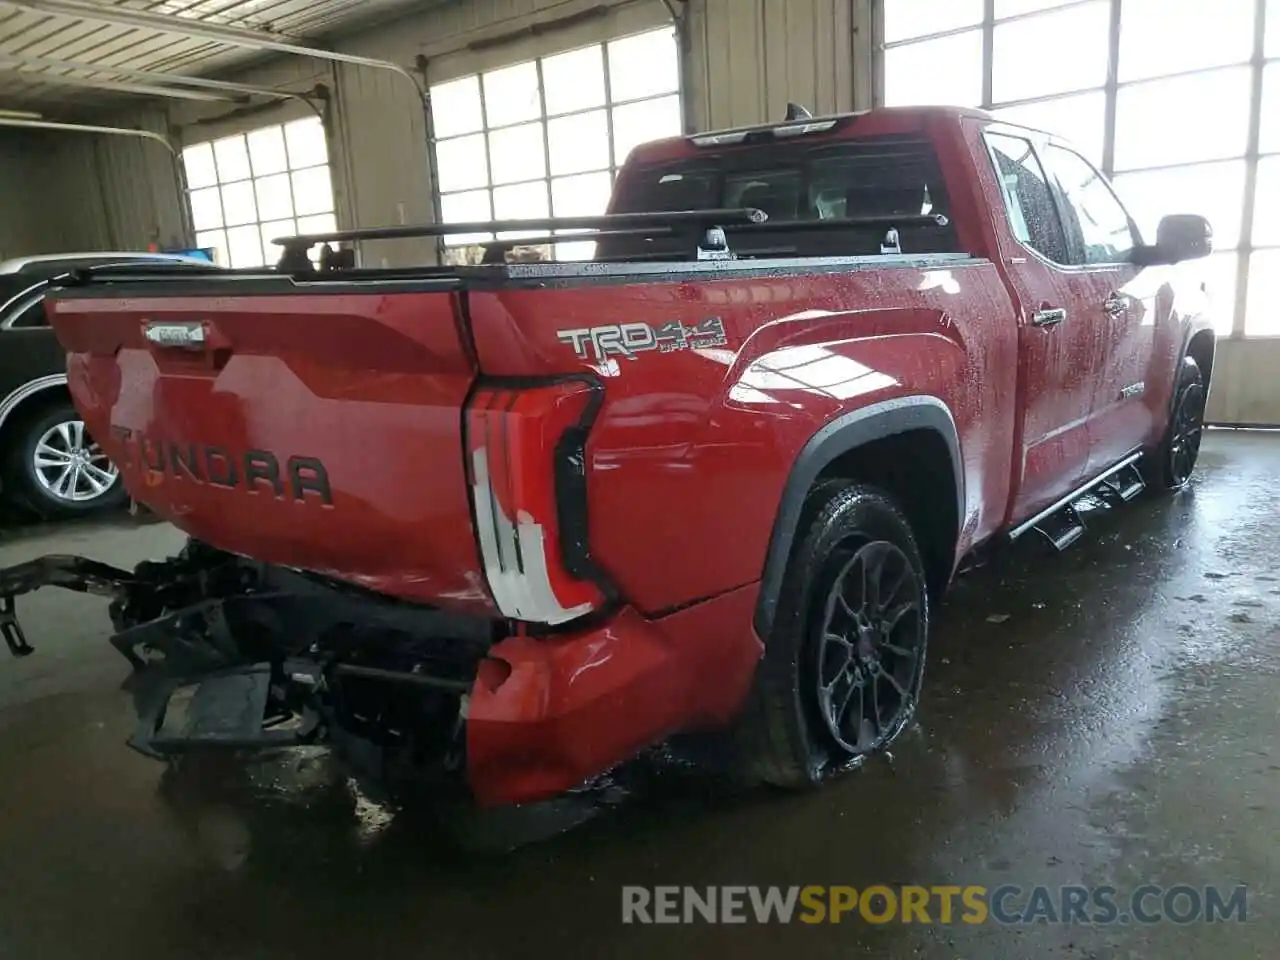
[(1061, 529), (1062, 525), (1124, 485)]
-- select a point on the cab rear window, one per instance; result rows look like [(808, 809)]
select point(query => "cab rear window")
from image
[(873, 177)]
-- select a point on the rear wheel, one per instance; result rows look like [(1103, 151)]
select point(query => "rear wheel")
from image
[(844, 662), (1175, 458), (58, 470)]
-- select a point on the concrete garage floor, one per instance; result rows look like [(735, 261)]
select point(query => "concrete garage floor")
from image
[(1118, 728)]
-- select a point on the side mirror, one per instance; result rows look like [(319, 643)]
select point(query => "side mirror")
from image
[(1180, 236)]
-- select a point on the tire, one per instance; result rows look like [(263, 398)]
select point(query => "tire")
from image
[(55, 468), (786, 735), (1174, 460)]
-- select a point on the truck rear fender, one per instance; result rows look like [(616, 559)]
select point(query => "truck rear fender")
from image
[(831, 453), (709, 432)]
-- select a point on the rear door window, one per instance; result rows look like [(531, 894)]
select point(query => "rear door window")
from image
[(1096, 221)]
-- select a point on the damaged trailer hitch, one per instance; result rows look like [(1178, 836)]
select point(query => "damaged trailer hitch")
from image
[(71, 573), (234, 705), (235, 654)]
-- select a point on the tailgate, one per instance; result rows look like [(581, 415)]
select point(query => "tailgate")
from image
[(315, 430)]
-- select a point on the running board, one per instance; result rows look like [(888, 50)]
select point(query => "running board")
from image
[(1124, 485), (1061, 523), (1062, 528)]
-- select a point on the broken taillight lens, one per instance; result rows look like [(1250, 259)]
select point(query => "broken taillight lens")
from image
[(527, 462)]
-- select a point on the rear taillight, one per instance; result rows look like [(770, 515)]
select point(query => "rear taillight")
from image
[(527, 461)]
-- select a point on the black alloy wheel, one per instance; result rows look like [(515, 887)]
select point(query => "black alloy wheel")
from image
[(870, 648), (844, 659), (1188, 428), (1175, 459)]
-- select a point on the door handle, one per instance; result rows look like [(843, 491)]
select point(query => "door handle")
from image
[(1115, 306), (1048, 318)]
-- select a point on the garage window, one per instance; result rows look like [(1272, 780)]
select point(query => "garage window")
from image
[(1173, 119), (546, 137), (249, 189)]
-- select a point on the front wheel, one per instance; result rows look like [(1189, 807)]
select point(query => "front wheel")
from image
[(58, 470), (1175, 458), (844, 662)]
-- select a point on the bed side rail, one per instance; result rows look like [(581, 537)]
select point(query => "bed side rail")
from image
[(707, 229)]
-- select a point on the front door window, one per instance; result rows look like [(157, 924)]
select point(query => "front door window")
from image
[(1095, 218)]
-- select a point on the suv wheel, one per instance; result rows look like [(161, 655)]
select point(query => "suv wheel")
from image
[(1175, 459), (844, 663), (58, 470)]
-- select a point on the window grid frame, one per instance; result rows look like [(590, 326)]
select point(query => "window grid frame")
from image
[(544, 119), (289, 170), (1257, 63)]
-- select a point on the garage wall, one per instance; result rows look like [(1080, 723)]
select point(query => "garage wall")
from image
[(750, 58), (23, 227), (70, 197), (73, 191), (52, 201), (1244, 389), (136, 185), (389, 184)]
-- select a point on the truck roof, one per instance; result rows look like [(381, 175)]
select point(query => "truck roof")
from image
[(896, 118)]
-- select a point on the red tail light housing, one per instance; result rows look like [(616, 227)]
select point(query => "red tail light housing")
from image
[(526, 457)]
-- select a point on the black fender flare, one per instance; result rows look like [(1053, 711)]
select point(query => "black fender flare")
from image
[(1189, 336), (836, 438)]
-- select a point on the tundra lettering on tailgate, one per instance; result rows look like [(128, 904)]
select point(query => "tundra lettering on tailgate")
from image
[(252, 470)]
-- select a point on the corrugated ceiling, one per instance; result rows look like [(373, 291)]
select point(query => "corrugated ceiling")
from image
[(29, 35)]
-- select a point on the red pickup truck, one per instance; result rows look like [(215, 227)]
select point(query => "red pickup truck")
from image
[(515, 522)]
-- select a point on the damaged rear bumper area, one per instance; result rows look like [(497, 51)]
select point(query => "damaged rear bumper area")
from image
[(233, 654)]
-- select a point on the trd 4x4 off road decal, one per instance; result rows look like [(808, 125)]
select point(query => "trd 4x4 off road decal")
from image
[(628, 339)]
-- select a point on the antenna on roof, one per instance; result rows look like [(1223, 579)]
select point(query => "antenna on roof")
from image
[(797, 112)]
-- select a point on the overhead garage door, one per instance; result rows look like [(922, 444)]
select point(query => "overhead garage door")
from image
[(251, 188), (545, 137), (1178, 100)]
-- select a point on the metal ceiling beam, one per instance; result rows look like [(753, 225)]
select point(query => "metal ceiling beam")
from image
[(87, 128), (202, 30), (143, 89), (202, 83)]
